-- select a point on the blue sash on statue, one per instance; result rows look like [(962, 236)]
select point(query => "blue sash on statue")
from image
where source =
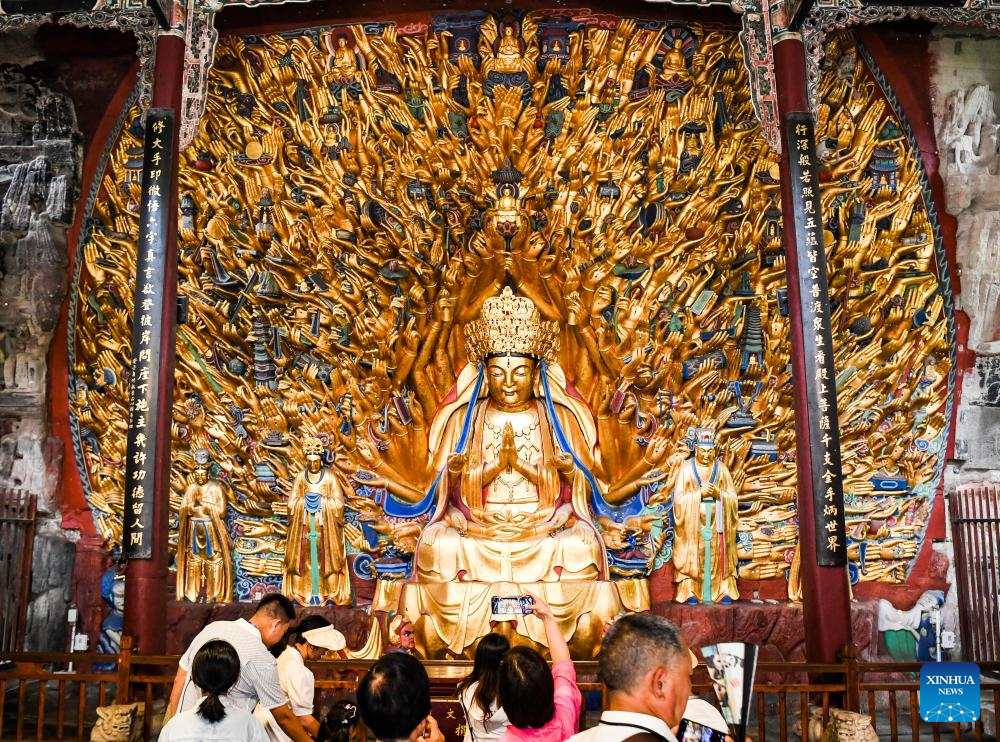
[(314, 502), (633, 506), (202, 523), (399, 509)]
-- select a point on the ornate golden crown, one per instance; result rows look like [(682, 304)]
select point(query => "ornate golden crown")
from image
[(511, 325), (313, 447)]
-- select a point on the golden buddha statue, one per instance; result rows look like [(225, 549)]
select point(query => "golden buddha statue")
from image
[(675, 73), (344, 64), (315, 560), (675, 63), (517, 463), (507, 216), (705, 518), (509, 57), (204, 563)]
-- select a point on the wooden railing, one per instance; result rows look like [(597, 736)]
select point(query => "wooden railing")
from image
[(40, 699), (17, 534), (975, 527)]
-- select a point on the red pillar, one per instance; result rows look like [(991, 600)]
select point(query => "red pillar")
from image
[(146, 579), (826, 600)]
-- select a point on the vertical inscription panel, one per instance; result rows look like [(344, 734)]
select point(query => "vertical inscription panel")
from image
[(817, 342), (147, 321)]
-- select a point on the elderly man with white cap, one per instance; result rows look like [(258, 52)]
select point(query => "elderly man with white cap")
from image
[(309, 641)]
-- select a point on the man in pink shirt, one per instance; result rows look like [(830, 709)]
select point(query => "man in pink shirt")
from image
[(541, 704)]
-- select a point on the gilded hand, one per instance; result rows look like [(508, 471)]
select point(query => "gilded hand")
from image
[(583, 532), (563, 462), (656, 450), (457, 520), (574, 309), (508, 447), (456, 463)]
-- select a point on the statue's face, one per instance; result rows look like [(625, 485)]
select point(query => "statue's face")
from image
[(704, 455), (510, 381), (407, 637), (201, 474), (118, 596), (314, 463)]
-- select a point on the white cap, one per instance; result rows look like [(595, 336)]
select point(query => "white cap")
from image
[(325, 638), (702, 712)]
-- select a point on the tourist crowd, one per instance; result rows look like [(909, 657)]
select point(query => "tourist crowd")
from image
[(248, 680)]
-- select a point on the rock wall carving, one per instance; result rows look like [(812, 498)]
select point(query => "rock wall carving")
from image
[(39, 176), (965, 78)]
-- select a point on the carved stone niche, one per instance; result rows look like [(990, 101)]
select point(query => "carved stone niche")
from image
[(40, 156), (964, 82), (39, 176)]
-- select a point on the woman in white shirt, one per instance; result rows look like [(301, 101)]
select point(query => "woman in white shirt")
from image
[(214, 670), (310, 640), (478, 693)]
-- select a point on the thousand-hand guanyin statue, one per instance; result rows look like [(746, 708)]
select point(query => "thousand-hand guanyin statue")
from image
[(518, 479), (362, 428)]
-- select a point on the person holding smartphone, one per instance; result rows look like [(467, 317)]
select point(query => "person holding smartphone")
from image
[(542, 704)]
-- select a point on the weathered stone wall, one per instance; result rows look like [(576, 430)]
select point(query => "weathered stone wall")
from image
[(964, 82), (40, 155), (966, 76)]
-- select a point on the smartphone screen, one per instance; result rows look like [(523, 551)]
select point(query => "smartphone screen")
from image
[(509, 606), (690, 731)]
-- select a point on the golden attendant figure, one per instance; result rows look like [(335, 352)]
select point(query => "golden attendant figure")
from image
[(203, 545), (705, 517), (316, 570)]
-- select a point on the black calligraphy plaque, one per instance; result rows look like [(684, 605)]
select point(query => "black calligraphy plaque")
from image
[(817, 342), (142, 451)]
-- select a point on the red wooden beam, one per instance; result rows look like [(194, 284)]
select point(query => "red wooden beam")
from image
[(146, 579), (826, 603)]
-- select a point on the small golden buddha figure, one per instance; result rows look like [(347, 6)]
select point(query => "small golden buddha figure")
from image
[(675, 63), (509, 58), (507, 216), (204, 564), (344, 64)]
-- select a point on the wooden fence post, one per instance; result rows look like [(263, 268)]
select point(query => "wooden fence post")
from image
[(852, 677), (124, 682)]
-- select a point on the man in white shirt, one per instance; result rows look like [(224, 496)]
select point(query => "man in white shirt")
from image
[(312, 639), (646, 668), (258, 680)]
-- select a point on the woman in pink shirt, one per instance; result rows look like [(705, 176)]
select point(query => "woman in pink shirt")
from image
[(541, 704)]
